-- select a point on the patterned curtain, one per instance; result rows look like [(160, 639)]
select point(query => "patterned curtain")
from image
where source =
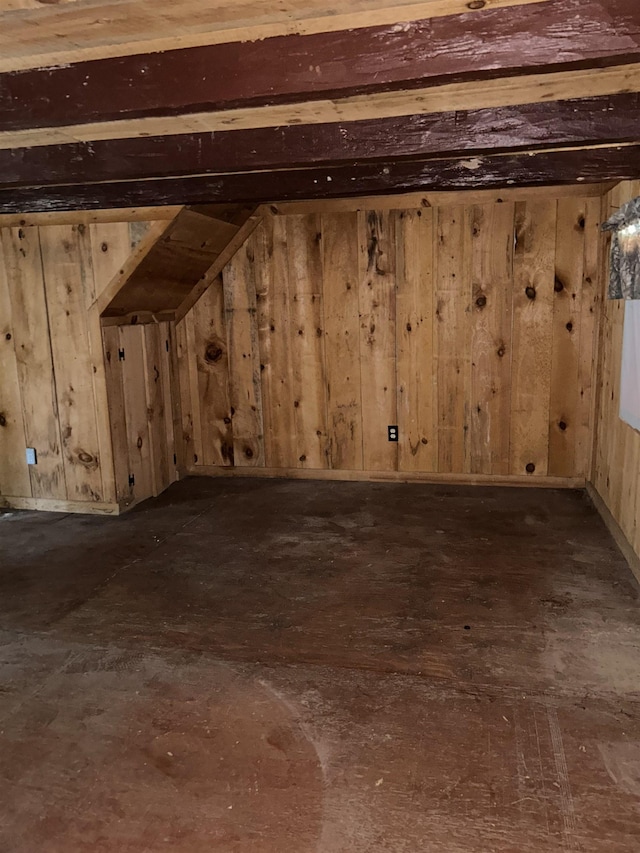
[(624, 282)]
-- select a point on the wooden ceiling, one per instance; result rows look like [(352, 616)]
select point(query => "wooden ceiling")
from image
[(117, 103)]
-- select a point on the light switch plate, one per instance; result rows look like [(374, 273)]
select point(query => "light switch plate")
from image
[(32, 457)]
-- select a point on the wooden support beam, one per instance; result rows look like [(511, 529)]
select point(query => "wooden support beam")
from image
[(294, 68), (581, 121), (539, 88), (57, 33), (528, 168)]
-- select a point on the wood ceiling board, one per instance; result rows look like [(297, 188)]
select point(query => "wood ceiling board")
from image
[(595, 165), (508, 91), (177, 261), (586, 121), (294, 68), (54, 34)]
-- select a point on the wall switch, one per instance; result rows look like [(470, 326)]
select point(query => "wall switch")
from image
[(393, 433), (32, 458)]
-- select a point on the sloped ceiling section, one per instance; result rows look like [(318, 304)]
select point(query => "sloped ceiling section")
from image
[(178, 263), (241, 103)]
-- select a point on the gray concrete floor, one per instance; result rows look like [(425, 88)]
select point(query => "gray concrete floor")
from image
[(252, 665)]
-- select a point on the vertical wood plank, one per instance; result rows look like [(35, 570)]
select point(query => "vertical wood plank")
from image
[(244, 359), (172, 414), (532, 336), (567, 335), (340, 271), (110, 246), (211, 356), (184, 437), (453, 338), (117, 418), (590, 311), (492, 297), (23, 263), (154, 394), (417, 411), (377, 298), (307, 340), (65, 272), (135, 406), (269, 250), (14, 472)]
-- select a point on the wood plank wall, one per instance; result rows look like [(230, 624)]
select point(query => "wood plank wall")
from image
[(470, 326), (52, 378), (616, 464), (142, 390)]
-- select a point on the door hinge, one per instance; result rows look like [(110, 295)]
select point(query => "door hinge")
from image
[(132, 480), (120, 355)]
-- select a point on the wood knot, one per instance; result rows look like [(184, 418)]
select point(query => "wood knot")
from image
[(296, 403), (531, 292), (530, 468), (481, 301), (474, 5), (501, 351), (86, 458), (303, 458), (81, 228), (408, 327), (562, 425), (227, 420), (248, 452), (558, 286), (104, 247), (581, 223), (195, 457), (213, 352), (7, 337), (139, 442), (569, 326), (424, 441), (3, 419)]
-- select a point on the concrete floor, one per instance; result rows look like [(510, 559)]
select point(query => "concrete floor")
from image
[(275, 666)]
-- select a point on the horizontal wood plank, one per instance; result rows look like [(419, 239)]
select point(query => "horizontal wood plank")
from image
[(390, 476), (530, 168), (291, 68), (579, 121), (56, 33)]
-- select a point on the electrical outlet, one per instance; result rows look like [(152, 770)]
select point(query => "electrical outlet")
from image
[(32, 456), (393, 433)]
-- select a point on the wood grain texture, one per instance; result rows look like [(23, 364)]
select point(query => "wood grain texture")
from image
[(492, 230), (55, 34), (14, 473), (32, 341), (452, 291), (377, 286), (349, 62), (415, 366), (244, 359), (616, 468), (532, 336), (67, 271), (425, 322)]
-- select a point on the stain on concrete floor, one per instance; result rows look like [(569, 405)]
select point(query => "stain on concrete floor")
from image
[(302, 666)]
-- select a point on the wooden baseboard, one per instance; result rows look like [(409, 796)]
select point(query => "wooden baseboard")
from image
[(48, 505), (616, 531), (391, 477)]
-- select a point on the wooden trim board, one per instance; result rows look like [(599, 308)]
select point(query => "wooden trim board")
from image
[(389, 477), (535, 88), (47, 505), (615, 530)]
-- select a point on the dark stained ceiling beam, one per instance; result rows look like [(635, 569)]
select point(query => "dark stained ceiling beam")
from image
[(530, 168), (586, 121), (289, 69)]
